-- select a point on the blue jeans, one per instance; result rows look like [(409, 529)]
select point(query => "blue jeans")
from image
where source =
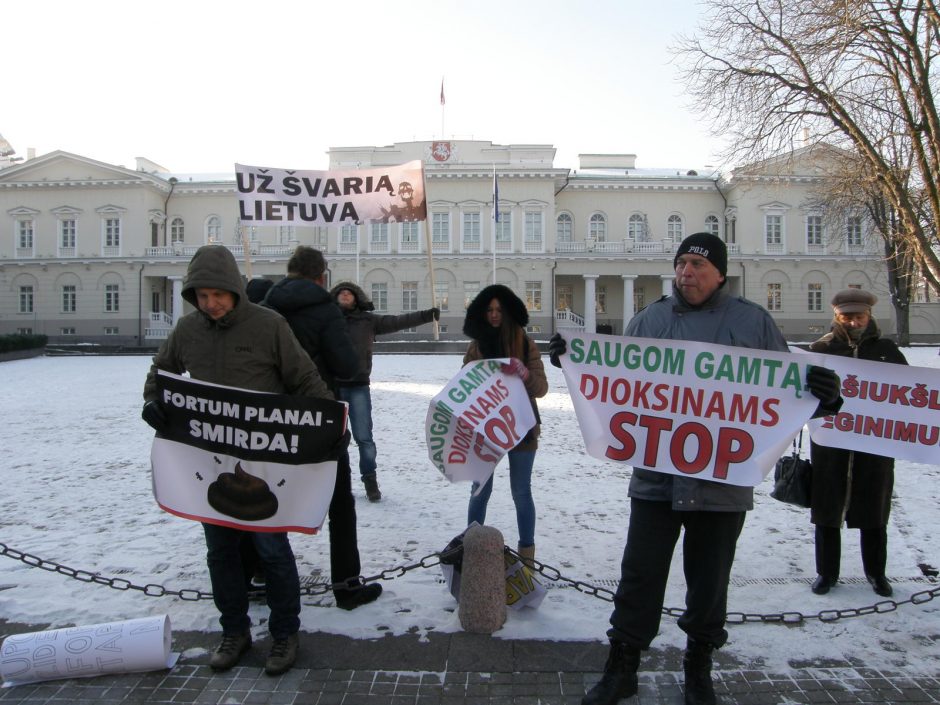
[(360, 422), (228, 579), (520, 483)]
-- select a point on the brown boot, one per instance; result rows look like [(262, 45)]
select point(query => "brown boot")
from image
[(619, 679), (527, 554)]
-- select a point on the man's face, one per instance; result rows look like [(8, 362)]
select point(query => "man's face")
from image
[(215, 303), (857, 320), (405, 191), (697, 278), (346, 299)]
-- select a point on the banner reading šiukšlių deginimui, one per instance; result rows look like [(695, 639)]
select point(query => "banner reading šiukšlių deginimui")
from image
[(244, 459), (376, 195)]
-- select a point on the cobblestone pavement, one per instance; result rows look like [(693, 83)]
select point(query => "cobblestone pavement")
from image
[(469, 669)]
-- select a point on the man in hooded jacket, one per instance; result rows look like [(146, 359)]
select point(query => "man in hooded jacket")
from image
[(363, 325), (230, 341)]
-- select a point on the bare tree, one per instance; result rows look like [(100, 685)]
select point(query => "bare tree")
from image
[(857, 75)]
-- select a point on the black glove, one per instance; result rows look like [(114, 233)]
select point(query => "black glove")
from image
[(557, 346), (155, 415), (435, 313), (824, 385), (340, 447)]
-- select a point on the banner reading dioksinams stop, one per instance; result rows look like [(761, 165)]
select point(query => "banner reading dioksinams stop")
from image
[(713, 412), (244, 459)]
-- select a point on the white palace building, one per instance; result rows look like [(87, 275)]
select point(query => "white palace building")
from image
[(96, 253)]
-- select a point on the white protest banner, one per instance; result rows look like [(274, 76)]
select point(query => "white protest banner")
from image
[(243, 459), (378, 195), (887, 409), (479, 416), (80, 652), (712, 412)]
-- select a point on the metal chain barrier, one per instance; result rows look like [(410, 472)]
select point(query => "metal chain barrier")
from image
[(432, 559)]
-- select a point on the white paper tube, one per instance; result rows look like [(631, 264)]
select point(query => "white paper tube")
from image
[(80, 652)]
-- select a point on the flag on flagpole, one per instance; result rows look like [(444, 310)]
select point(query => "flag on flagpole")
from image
[(442, 90)]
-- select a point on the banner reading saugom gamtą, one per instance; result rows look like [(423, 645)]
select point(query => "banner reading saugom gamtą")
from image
[(268, 196), (244, 459), (712, 412)]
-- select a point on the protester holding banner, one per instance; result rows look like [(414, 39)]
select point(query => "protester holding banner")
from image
[(229, 341), (663, 504), (495, 323), (319, 326), (362, 326), (852, 486)]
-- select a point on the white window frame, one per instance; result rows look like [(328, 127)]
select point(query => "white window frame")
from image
[(503, 232), (675, 228), (440, 231), (27, 301), (774, 297), (534, 231), (442, 295), (409, 296), (25, 236), (213, 230), (409, 236), (597, 227), (854, 233), (471, 235), (69, 298), (773, 233), (814, 297), (112, 298), (638, 227), (564, 228), (177, 230), (379, 242), (815, 233), (533, 295), (713, 224), (470, 291), (380, 296), (67, 237)]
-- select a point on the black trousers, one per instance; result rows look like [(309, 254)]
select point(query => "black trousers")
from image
[(874, 545), (344, 546), (708, 549)]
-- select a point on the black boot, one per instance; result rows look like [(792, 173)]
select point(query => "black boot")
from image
[(698, 673), (619, 679)]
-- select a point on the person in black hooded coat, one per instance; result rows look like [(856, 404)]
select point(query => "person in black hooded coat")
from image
[(495, 323)]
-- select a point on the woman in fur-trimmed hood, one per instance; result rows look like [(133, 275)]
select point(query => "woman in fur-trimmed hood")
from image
[(495, 324)]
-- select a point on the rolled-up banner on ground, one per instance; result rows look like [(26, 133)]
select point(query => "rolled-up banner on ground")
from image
[(130, 646), (479, 416), (248, 460)]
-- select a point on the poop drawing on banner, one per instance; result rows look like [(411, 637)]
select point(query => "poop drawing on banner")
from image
[(242, 496)]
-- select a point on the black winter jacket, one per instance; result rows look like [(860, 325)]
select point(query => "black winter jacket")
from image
[(363, 325), (318, 324), (849, 485)]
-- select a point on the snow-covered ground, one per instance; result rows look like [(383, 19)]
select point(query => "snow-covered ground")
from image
[(76, 490)]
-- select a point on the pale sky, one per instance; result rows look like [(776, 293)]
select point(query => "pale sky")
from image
[(198, 85)]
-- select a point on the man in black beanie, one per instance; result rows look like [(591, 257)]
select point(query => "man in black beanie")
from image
[(709, 514)]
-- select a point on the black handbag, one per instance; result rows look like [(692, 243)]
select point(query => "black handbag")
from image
[(793, 477)]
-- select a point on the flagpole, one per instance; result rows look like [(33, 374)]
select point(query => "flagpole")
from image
[(495, 218), (427, 241)]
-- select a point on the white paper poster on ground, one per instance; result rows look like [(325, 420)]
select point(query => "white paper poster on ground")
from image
[(130, 646)]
